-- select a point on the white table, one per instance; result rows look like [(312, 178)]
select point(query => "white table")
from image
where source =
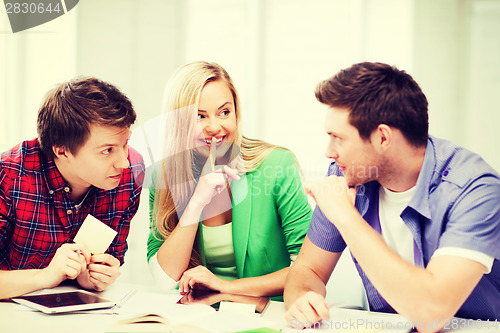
[(15, 318)]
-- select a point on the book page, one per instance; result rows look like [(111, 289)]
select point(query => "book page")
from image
[(348, 320), (189, 318), (163, 318), (147, 322)]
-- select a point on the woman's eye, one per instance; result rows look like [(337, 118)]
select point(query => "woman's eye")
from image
[(107, 151), (200, 116), (225, 113)]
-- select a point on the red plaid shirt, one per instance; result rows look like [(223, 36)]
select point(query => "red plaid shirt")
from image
[(37, 214)]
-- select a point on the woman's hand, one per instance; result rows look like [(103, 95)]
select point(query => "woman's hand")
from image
[(201, 275), (212, 183)]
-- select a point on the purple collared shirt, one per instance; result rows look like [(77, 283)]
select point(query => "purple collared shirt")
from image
[(456, 204)]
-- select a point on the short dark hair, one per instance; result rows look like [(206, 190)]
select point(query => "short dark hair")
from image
[(68, 111), (377, 93)]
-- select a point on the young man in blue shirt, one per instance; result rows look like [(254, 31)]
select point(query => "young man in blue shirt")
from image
[(420, 215)]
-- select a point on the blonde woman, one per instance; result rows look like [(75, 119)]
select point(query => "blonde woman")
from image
[(227, 212)]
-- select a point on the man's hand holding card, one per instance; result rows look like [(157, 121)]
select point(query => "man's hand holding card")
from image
[(95, 235), (103, 268)]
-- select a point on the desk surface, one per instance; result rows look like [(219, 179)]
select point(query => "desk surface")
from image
[(16, 318)]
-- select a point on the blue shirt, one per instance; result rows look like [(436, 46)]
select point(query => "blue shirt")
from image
[(456, 204)]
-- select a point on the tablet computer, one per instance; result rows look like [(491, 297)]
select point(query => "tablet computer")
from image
[(64, 302)]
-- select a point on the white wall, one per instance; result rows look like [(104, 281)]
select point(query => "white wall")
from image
[(276, 51), (30, 64)]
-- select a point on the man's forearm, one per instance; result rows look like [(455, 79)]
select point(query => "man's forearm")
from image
[(423, 295), (19, 282), (300, 280)]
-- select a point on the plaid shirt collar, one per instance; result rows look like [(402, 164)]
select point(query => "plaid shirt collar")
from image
[(53, 177)]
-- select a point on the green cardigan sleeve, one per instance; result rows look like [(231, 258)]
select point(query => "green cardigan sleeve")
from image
[(280, 216), (291, 202), (270, 224), (155, 240)]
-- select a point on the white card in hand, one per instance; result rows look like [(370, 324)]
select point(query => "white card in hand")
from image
[(95, 235)]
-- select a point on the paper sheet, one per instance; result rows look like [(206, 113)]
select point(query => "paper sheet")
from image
[(95, 235)]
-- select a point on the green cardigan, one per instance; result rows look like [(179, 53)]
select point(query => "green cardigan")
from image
[(271, 216)]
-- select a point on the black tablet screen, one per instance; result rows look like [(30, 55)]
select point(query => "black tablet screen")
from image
[(64, 299)]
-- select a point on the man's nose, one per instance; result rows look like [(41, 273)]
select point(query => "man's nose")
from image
[(122, 162), (331, 152)]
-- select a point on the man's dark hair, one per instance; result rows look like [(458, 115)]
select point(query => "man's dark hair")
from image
[(68, 111), (376, 93)]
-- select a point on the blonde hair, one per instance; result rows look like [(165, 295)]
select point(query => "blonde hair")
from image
[(178, 176)]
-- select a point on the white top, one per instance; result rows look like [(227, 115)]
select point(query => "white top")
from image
[(219, 250), (163, 281), (394, 231), (480, 257)]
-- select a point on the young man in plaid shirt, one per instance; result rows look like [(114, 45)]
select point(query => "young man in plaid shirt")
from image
[(80, 164)]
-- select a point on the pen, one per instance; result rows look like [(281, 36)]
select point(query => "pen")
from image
[(125, 298), (212, 158), (212, 153)]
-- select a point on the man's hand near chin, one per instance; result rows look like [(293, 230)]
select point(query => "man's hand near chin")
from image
[(101, 272)]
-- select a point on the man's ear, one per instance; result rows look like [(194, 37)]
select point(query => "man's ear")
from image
[(382, 137), (60, 152)]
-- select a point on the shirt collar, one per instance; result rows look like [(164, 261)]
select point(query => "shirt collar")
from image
[(420, 200), (53, 177)]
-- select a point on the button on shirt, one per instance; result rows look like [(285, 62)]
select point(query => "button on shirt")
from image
[(37, 214), (456, 204)]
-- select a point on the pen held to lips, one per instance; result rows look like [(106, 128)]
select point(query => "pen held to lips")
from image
[(211, 156), (211, 153)]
